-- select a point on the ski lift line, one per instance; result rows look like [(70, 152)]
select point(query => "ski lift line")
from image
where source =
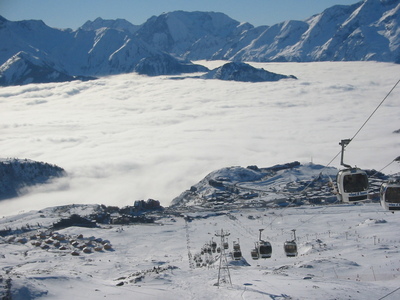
[(384, 167), (389, 293), (357, 132), (239, 224), (397, 159), (379, 105), (366, 121)]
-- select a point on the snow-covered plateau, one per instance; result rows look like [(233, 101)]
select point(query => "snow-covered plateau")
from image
[(129, 137), (344, 252)]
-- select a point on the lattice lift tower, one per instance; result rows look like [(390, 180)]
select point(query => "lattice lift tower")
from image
[(223, 270)]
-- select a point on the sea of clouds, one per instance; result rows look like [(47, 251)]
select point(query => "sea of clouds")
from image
[(129, 137)]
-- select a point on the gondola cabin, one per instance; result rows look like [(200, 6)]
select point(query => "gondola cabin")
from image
[(254, 254), (264, 249), (237, 253), (290, 248), (226, 245), (390, 195), (352, 185)]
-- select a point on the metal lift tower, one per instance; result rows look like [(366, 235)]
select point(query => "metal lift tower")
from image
[(223, 270)]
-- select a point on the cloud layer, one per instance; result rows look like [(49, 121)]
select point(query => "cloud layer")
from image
[(129, 137)]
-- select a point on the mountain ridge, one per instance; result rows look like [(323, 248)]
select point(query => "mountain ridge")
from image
[(17, 174), (367, 30)]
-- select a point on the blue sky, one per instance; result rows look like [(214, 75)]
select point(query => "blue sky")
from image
[(74, 13)]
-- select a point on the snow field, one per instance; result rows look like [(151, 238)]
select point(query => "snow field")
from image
[(345, 252)]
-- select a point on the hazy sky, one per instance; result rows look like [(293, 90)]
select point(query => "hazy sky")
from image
[(74, 13)]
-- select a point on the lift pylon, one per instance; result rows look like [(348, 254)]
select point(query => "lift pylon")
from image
[(223, 270)]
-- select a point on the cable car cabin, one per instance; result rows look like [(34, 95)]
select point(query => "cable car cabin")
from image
[(213, 245), (236, 246), (290, 248), (237, 255), (264, 249), (226, 245), (352, 185), (254, 254), (390, 195)]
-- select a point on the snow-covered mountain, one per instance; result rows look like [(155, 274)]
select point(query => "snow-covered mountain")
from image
[(164, 64), (368, 30), (19, 173), (119, 24), (93, 50), (279, 185), (24, 68), (239, 71), (191, 35)]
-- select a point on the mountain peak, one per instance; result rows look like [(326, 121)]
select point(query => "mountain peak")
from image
[(240, 71), (118, 24), (2, 19)]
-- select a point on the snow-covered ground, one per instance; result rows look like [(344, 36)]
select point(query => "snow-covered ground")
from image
[(345, 252), (129, 137)]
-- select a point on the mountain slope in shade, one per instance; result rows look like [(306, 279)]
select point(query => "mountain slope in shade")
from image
[(238, 71), (17, 174), (24, 68), (165, 65)]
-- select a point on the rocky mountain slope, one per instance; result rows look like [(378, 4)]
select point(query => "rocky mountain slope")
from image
[(368, 30), (16, 174), (239, 71)]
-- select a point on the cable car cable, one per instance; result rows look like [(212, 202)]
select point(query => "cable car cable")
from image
[(325, 166), (389, 293), (396, 159), (379, 105), (357, 132), (366, 121)]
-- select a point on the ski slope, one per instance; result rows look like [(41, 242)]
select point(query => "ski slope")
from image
[(345, 252)]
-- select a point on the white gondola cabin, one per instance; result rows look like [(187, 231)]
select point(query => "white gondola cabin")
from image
[(352, 185), (237, 253), (254, 254), (225, 245), (390, 195), (290, 248), (264, 249)]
